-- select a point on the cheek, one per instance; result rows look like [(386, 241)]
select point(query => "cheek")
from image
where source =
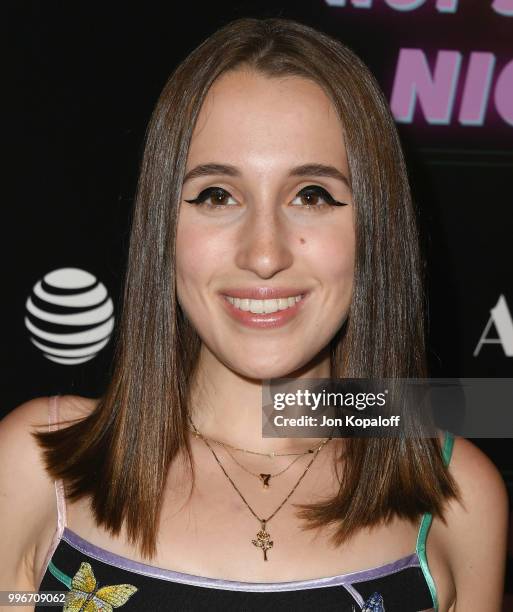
[(198, 253), (188, 255), (332, 254)]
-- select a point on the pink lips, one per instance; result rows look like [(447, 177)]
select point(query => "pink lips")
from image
[(263, 321)]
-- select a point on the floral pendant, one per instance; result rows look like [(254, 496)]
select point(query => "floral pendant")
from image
[(263, 540)]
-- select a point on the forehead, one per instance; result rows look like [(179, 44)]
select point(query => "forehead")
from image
[(247, 114)]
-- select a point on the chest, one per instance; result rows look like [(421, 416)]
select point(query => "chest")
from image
[(213, 533)]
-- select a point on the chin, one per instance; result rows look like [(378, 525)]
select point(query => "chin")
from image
[(267, 369)]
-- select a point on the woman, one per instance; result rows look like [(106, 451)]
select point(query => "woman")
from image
[(273, 235)]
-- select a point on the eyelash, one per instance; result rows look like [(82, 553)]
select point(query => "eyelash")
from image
[(201, 199)]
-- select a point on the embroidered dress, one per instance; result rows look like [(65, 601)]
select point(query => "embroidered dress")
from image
[(99, 580)]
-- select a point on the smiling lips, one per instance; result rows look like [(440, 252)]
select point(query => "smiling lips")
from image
[(263, 307)]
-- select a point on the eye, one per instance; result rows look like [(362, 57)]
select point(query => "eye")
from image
[(218, 196), (311, 195)]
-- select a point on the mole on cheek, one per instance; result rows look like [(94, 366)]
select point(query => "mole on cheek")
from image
[(302, 240)]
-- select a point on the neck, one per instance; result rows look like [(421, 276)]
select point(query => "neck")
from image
[(227, 406)]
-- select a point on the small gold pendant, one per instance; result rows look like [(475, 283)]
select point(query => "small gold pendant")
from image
[(263, 540), (265, 479)]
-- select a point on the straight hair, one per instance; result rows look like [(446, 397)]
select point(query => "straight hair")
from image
[(120, 453)]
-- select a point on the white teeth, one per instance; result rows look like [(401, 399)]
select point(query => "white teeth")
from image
[(244, 304), (263, 306), (257, 306)]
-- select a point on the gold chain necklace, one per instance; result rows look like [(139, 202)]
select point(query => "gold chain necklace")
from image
[(263, 537), (271, 455), (264, 478)]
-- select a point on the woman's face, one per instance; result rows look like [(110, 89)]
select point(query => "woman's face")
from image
[(264, 266)]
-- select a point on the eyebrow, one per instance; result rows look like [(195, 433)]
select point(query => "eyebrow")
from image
[(303, 170)]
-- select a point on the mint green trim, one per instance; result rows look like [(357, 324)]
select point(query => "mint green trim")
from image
[(421, 552), (425, 525), (64, 578), (448, 445)]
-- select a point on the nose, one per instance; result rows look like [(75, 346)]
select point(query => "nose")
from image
[(264, 245)]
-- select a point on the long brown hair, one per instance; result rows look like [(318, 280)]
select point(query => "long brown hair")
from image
[(120, 454)]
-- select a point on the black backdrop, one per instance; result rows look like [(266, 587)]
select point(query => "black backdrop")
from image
[(82, 79)]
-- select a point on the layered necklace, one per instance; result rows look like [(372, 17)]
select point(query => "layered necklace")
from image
[(263, 537)]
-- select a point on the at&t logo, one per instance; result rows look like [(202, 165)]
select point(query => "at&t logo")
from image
[(69, 315)]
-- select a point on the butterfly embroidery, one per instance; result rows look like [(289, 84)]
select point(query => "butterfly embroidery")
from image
[(86, 595), (374, 604)]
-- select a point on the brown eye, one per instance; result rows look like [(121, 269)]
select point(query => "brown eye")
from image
[(315, 196), (310, 197), (219, 198)]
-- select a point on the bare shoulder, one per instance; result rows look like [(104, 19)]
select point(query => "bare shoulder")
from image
[(476, 529), (18, 449), (27, 492), (33, 415), (73, 407), (24, 487), (481, 483)]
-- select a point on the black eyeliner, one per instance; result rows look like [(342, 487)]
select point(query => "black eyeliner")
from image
[(325, 194), (204, 194)]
